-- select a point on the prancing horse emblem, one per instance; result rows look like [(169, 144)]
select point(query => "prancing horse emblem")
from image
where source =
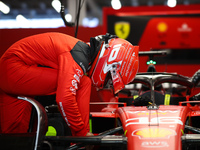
[(122, 29)]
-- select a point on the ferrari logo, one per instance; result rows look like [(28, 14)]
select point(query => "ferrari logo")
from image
[(154, 133), (122, 29)]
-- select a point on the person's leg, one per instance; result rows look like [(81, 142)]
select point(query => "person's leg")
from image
[(83, 99), (20, 79), (14, 114)]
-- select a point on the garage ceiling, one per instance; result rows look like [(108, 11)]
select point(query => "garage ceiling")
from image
[(43, 9)]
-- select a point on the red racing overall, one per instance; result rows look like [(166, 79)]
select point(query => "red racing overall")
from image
[(20, 74)]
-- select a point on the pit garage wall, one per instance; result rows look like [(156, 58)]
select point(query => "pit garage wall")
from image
[(9, 36), (160, 28)]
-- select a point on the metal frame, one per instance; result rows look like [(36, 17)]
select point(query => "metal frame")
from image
[(42, 120)]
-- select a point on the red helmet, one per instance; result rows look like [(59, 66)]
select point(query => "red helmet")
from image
[(116, 58)]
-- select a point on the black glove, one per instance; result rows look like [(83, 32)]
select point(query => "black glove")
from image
[(142, 101)]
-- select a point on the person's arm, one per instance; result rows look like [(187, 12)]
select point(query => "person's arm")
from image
[(69, 76)]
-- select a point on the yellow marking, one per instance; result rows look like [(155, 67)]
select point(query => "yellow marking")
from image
[(162, 27), (125, 132), (90, 123), (167, 99), (182, 131), (135, 96), (154, 133), (51, 131)]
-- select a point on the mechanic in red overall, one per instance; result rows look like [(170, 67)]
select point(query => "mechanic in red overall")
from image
[(57, 63)]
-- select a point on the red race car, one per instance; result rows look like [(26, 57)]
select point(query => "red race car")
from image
[(158, 110)]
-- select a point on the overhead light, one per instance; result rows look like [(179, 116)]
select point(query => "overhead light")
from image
[(90, 22), (68, 17), (21, 18), (56, 5), (116, 4), (4, 8), (171, 3), (22, 22)]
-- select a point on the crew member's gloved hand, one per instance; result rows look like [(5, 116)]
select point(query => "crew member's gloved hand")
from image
[(142, 101), (89, 134), (89, 147)]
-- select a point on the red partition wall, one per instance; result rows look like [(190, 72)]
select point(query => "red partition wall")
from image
[(9, 36), (176, 30)]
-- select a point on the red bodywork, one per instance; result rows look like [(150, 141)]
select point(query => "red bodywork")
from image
[(150, 129), (160, 126)]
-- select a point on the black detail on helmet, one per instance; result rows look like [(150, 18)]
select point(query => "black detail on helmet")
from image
[(96, 42)]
